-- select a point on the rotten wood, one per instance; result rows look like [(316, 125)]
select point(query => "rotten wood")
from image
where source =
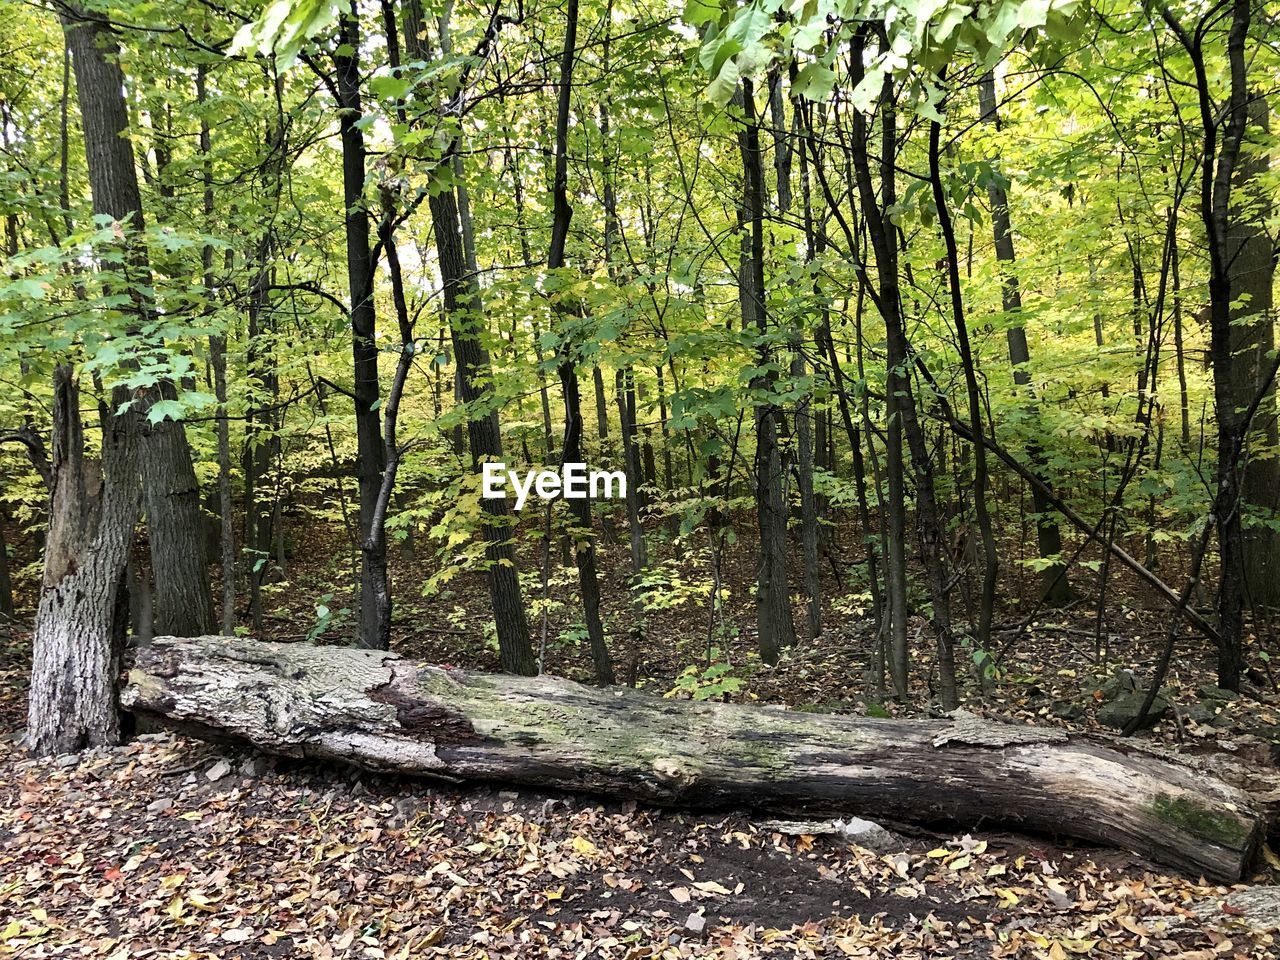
[(384, 713)]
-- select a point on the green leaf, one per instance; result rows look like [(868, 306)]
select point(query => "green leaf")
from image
[(165, 410), (390, 88)]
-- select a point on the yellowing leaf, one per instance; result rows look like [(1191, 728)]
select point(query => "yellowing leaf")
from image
[(435, 936), (1079, 946), (710, 886), (585, 847)]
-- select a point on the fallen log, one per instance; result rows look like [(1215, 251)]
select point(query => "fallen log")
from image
[(384, 713)]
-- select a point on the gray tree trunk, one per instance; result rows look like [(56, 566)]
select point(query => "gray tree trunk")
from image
[(566, 366), (383, 713), (451, 224), (183, 599), (218, 360), (83, 613), (6, 581)]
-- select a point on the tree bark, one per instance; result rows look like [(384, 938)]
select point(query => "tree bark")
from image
[(803, 414), (901, 406), (1056, 587), (484, 435), (455, 250), (631, 465), (383, 713), (83, 613), (990, 567), (218, 360), (262, 437), (1249, 251), (566, 367), (775, 625), (6, 581), (1223, 128), (370, 455), (183, 601), (175, 525)]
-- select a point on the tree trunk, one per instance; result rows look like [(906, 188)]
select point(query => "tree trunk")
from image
[(631, 465), (387, 714), (1223, 134), (175, 525), (218, 360), (973, 394), (775, 627), (262, 437), (1179, 346), (484, 435), (566, 367), (602, 410), (1249, 251), (6, 581), (184, 602), (83, 613), (1056, 586), (364, 348), (451, 226), (803, 415), (668, 472), (901, 408)]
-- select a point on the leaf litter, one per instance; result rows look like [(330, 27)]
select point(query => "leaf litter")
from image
[(284, 859)]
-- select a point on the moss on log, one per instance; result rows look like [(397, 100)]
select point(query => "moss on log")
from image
[(381, 712)]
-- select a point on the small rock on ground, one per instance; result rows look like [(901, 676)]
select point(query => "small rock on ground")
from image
[(865, 833), (1119, 712)]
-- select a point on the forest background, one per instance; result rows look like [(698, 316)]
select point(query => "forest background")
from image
[(918, 320)]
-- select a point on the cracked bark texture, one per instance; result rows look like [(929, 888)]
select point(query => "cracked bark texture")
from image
[(384, 713)]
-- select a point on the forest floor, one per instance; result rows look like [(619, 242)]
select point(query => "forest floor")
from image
[(169, 847)]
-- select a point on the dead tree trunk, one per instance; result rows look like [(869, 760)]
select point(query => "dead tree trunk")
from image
[(383, 713)]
